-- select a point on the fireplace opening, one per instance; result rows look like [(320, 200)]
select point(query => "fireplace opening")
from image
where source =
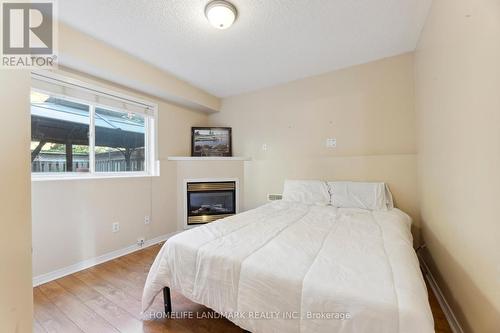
[(210, 201)]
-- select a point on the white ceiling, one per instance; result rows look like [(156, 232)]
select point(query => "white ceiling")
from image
[(271, 42)]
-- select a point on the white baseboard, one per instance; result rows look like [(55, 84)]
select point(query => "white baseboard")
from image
[(59, 273), (448, 312)]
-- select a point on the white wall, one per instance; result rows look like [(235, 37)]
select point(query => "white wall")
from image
[(16, 298)]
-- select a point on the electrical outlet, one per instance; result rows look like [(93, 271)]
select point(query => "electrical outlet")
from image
[(331, 143), (140, 241), (264, 147), (147, 219), (115, 227)]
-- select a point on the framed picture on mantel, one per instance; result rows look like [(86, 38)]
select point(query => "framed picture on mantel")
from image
[(211, 141)]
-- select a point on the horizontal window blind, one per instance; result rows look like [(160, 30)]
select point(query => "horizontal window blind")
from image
[(61, 87)]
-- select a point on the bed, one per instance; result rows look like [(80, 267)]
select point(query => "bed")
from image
[(299, 266)]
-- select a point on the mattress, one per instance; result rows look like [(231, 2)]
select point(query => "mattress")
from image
[(291, 267)]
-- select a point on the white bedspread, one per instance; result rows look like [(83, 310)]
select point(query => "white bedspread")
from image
[(291, 267)]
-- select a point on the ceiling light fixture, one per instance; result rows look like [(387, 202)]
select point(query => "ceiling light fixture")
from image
[(221, 14)]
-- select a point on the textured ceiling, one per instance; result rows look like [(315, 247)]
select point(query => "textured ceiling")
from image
[(271, 42)]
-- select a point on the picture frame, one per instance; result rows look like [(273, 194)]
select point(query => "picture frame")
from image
[(211, 141)]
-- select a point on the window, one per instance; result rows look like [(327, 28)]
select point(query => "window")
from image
[(59, 135), (78, 131), (119, 141)]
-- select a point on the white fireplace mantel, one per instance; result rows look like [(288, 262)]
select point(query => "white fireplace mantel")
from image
[(205, 169)]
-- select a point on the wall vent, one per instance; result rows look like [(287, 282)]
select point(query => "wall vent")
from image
[(274, 197)]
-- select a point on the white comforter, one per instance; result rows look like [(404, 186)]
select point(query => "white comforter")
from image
[(290, 267)]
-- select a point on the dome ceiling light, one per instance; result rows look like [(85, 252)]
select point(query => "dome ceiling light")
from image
[(221, 14)]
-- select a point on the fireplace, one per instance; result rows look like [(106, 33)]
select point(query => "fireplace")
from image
[(209, 201)]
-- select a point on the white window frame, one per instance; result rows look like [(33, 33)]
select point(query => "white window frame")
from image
[(151, 163)]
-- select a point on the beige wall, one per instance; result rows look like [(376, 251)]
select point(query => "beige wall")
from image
[(16, 308), (369, 109), (86, 54), (72, 218), (458, 109)]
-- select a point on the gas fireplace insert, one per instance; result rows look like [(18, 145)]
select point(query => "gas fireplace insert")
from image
[(210, 201)]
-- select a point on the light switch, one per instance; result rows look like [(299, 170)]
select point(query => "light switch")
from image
[(331, 143)]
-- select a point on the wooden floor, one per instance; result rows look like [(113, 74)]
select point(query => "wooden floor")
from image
[(106, 298), (440, 322)]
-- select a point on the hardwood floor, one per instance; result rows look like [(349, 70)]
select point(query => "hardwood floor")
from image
[(107, 298), (440, 322)]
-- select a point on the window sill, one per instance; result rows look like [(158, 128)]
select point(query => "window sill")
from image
[(52, 177), (208, 158)]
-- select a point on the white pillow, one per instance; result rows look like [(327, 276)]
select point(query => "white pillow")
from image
[(373, 196), (313, 192)]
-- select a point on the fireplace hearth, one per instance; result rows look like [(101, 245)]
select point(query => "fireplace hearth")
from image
[(210, 201)]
